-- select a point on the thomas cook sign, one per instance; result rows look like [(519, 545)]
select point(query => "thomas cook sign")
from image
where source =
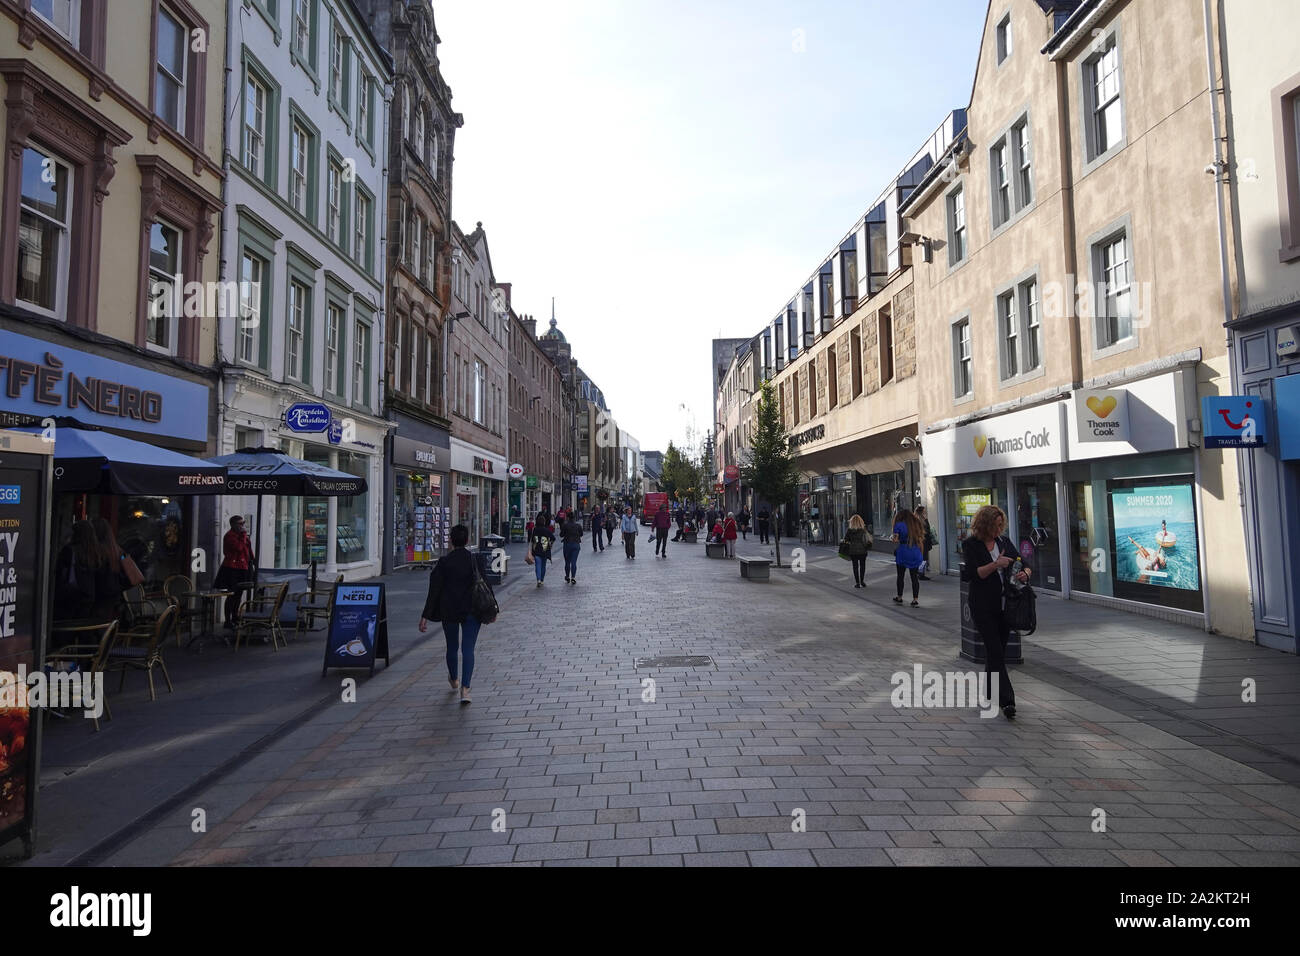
[(1101, 415), (1035, 436)]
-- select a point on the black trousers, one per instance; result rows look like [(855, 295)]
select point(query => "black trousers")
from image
[(860, 569), (629, 543), (609, 535), (916, 582), (595, 538), (762, 532), (661, 541), (994, 634)]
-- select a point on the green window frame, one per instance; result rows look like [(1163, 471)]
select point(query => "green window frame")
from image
[(308, 59), (365, 257), (299, 118), (335, 161), (257, 237), (363, 344), (254, 69), (270, 12), (341, 103), (301, 269), (366, 94), (337, 388)]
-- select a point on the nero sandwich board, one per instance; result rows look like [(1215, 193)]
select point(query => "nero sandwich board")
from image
[(358, 631)]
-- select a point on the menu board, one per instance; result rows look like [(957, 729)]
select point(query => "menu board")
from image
[(315, 531)]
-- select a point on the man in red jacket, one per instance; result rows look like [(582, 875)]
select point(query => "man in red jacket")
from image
[(663, 521), (235, 573)]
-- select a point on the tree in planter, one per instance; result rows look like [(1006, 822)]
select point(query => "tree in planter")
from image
[(770, 468), (680, 476)]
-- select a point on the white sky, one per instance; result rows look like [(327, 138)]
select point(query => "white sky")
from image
[(672, 171)]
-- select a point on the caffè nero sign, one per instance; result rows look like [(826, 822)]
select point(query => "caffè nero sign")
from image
[(1035, 436)]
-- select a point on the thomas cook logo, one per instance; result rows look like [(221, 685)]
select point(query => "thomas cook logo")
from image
[(981, 443), (1101, 407)]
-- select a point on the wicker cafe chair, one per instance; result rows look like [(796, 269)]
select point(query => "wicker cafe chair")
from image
[(139, 609), (314, 604), (90, 658), (148, 657), (261, 612), (180, 595)]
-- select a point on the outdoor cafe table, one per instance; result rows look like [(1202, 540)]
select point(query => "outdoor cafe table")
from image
[(209, 599)]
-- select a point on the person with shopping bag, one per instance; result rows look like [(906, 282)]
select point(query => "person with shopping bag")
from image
[(450, 602), (539, 552)]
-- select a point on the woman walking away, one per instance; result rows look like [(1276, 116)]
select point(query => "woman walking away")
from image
[(571, 533), (451, 583), (927, 544), (630, 531), (858, 546), (611, 520), (742, 519), (729, 535), (989, 560), (543, 539), (908, 535), (597, 529), (75, 572)]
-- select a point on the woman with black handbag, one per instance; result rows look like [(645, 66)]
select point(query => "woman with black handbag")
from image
[(988, 556), (450, 600)]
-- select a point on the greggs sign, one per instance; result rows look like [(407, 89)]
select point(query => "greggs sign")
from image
[(1035, 436)]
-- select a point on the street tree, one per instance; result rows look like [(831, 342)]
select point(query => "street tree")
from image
[(680, 475), (769, 467)]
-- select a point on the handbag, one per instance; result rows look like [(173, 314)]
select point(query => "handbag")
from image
[(482, 602), (1021, 612), (844, 549), (131, 570)]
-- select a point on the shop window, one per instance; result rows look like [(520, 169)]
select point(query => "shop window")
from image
[(352, 541)]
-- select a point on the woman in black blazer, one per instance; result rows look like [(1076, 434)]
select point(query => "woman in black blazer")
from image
[(451, 584), (988, 555)]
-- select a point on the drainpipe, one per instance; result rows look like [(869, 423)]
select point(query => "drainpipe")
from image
[(1220, 168), (389, 471)]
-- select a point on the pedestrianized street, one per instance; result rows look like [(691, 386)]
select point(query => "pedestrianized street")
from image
[(781, 748)]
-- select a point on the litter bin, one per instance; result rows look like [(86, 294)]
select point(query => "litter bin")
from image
[(972, 645), (487, 549)]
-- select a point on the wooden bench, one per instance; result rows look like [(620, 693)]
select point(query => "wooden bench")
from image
[(756, 569), (715, 549)]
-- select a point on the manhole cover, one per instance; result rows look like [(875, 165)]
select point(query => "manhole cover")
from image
[(692, 661)]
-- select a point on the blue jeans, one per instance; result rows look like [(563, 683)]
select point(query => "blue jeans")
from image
[(461, 637), (571, 551), (539, 567)]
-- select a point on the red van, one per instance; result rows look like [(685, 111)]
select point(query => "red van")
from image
[(650, 504)]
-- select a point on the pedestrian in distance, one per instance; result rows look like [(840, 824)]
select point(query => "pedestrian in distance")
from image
[(711, 518), (742, 520), (681, 524), (990, 565), (451, 583), (571, 534), (764, 524), (597, 529), (662, 522), (928, 543), (611, 520), (541, 547), (857, 543), (630, 531), (729, 534), (908, 536), (699, 515)]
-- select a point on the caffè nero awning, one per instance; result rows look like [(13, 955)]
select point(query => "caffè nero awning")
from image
[(88, 459)]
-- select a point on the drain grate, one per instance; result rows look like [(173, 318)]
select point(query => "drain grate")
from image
[(674, 661)]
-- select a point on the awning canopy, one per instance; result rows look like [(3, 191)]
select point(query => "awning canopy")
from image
[(87, 459), (266, 471)]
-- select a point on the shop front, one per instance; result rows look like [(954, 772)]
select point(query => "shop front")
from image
[(160, 402), (419, 528), (1267, 353), (1101, 492), (338, 534), (478, 480)]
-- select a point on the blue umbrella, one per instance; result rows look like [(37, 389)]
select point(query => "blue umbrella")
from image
[(88, 459)]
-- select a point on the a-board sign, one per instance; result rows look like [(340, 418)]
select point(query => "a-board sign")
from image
[(517, 532), (358, 631)]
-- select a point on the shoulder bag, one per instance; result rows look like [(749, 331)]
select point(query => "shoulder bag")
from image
[(482, 602), (131, 570)]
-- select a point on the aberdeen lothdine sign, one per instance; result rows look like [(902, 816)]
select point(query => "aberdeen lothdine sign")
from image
[(307, 417)]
